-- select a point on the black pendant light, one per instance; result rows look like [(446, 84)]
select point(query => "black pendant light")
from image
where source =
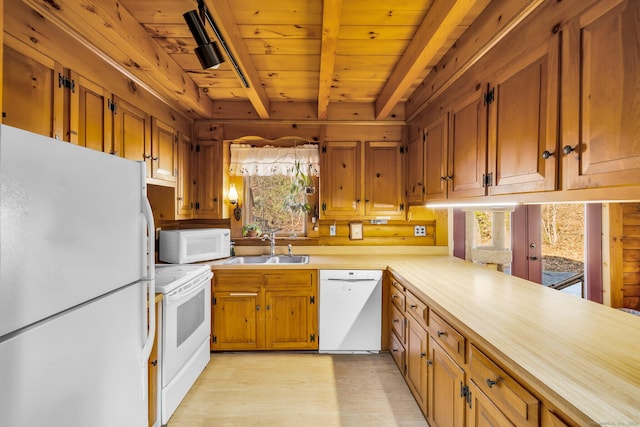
[(207, 51)]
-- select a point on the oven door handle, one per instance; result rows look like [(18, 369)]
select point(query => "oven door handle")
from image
[(193, 288)]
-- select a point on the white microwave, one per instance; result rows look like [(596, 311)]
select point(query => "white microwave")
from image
[(194, 245)]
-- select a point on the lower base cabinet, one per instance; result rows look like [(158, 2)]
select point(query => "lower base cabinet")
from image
[(483, 412), (274, 309), (447, 391), (417, 341)]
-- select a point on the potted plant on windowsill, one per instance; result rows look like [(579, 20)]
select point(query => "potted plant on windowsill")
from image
[(251, 230)]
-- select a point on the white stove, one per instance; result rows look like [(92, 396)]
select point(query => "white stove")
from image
[(172, 276), (185, 330)]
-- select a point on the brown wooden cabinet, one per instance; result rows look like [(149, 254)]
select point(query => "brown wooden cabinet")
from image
[(164, 151), (185, 187), (208, 172), (362, 183), (601, 88), (264, 310), (417, 342), (523, 122), (153, 367), (131, 132), (90, 115), (446, 388), (31, 79), (483, 412), (511, 399), (397, 325)]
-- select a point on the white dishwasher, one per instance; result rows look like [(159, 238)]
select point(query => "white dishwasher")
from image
[(350, 311)]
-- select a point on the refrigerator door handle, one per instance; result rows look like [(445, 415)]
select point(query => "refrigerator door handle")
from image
[(148, 248)]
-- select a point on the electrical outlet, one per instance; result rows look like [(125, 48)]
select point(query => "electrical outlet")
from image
[(420, 231), (332, 230)]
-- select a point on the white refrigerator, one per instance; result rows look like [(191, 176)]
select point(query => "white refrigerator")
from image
[(76, 275)]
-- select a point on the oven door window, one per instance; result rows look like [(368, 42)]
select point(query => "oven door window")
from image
[(190, 316)]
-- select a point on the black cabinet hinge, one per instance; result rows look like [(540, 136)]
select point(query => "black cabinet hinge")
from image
[(489, 96), (324, 148), (214, 339), (487, 179), (112, 106), (401, 206), (197, 205), (214, 300), (312, 299), (424, 136), (324, 206), (312, 338), (402, 149), (197, 148), (466, 393), (66, 82)]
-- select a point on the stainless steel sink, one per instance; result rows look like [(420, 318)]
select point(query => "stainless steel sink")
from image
[(265, 259)]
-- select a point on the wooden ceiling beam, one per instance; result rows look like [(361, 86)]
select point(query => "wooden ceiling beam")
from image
[(112, 33), (439, 23), (331, 13), (226, 23)]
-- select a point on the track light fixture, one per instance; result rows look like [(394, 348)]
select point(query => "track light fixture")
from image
[(207, 51)]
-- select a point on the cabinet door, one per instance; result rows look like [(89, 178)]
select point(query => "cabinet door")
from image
[(397, 352), (153, 370), (446, 381), (482, 412), (601, 93), (90, 118), (131, 133), (27, 82), (341, 180), (164, 141), (185, 187), (523, 123), (468, 147), (289, 319), (417, 362), (383, 179), (436, 175), (415, 170), (237, 320), (208, 165)]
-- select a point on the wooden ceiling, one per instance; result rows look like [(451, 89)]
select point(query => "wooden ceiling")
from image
[(300, 51)]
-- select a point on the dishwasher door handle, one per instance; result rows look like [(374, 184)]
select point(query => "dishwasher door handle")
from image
[(351, 280)]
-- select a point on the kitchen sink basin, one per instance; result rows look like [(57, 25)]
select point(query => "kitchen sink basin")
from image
[(265, 259)]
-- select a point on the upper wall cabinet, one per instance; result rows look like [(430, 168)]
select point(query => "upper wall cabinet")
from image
[(131, 132), (90, 115), (359, 183), (164, 151), (523, 123), (28, 80), (601, 96)]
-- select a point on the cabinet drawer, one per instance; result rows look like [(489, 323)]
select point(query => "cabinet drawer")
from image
[(230, 281), (448, 338), (396, 320), (417, 309), (396, 294), (397, 351), (289, 279), (510, 397)]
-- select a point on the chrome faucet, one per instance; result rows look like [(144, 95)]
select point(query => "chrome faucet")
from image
[(290, 249), (272, 239)]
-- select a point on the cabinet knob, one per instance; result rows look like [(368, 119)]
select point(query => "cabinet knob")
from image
[(154, 158), (257, 308), (413, 306), (443, 178), (396, 320), (441, 333), (146, 157), (546, 154), (429, 362), (423, 354), (491, 382), (394, 296), (567, 149)]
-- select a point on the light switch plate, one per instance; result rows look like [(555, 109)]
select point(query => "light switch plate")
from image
[(332, 230)]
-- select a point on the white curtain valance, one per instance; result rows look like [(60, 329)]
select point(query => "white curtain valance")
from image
[(270, 160)]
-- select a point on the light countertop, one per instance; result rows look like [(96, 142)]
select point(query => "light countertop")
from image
[(583, 356)]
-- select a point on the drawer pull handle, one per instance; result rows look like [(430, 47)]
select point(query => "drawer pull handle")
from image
[(491, 382), (396, 320), (394, 296), (441, 333), (413, 306), (394, 350)]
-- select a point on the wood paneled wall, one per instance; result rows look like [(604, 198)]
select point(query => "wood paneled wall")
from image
[(631, 255)]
